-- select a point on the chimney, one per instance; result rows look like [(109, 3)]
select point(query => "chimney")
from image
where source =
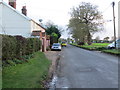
[(24, 10), (12, 3)]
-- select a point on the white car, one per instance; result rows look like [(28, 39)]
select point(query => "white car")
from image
[(112, 45), (56, 46)]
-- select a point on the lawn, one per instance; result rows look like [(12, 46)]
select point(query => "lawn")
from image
[(27, 75)]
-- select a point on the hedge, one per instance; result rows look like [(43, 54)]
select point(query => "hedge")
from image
[(14, 47)]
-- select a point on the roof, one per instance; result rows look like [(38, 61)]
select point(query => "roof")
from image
[(2, 2), (27, 18), (38, 24)]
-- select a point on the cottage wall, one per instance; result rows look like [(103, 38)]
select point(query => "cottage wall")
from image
[(12, 23)]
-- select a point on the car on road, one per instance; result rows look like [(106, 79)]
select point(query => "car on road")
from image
[(63, 44), (56, 46), (112, 45)]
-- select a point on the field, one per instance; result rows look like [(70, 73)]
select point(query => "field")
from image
[(27, 75)]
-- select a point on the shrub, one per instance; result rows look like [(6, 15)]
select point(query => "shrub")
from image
[(48, 48), (18, 47), (8, 47), (100, 48), (81, 43), (11, 63), (21, 43), (33, 45)]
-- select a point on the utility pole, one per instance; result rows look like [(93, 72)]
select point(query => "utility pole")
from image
[(113, 4)]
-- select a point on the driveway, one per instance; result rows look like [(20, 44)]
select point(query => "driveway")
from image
[(79, 68)]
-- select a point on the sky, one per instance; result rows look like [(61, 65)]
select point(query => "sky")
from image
[(57, 11)]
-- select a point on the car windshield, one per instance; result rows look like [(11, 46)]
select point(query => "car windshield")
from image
[(63, 42), (118, 40), (56, 44)]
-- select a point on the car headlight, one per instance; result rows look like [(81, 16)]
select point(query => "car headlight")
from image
[(59, 47)]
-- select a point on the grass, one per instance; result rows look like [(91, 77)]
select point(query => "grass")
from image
[(99, 47), (27, 75), (96, 45), (93, 46), (112, 51), (100, 44)]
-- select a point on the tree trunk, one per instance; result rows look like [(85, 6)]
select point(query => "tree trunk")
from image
[(89, 39)]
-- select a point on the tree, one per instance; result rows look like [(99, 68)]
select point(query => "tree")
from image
[(112, 39), (106, 39), (54, 33), (97, 39), (85, 21)]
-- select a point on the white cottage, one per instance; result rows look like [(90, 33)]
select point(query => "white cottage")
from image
[(13, 22)]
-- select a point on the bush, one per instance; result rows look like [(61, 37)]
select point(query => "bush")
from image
[(81, 43), (17, 61), (11, 63), (33, 45), (18, 47), (48, 48), (100, 48), (8, 47), (21, 43)]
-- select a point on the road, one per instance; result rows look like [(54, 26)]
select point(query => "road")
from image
[(79, 68)]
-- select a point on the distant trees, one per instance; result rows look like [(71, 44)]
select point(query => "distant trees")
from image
[(97, 39), (106, 39), (85, 21), (54, 33)]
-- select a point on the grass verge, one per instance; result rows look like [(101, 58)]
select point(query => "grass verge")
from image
[(112, 51), (99, 47), (27, 75), (93, 46)]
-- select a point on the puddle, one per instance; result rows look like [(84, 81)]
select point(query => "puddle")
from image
[(53, 83), (57, 80), (59, 83)]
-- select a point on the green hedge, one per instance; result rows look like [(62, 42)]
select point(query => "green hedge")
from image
[(15, 47)]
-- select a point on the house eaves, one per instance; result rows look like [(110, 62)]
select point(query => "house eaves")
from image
[(38, 24)]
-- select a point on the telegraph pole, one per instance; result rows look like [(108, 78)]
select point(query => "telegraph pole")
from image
[(113, 4)]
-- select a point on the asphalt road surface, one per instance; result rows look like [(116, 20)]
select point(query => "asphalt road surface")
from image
[(79, 68)]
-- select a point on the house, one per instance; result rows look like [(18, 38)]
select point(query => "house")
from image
[(39, 32), (13, 22)]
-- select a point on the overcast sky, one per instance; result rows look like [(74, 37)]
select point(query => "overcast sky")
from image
[(57, 11)]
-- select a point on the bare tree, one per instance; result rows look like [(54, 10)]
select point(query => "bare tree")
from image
[(85, 21)]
